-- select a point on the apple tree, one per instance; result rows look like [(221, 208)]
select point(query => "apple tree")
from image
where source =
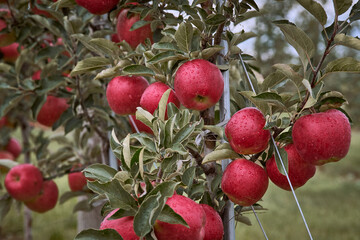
[(162, 92)]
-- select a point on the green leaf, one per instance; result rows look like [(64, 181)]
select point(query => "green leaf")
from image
[(167, 46), (209, 52), (170, 216), (184, 35), (261, 105), (315, 9), (165, 188), (94, 234), (10, 102), (347, 41), (141, 163), (215, 129), (8, 163), (138, 70), (355, 12), (308, 87), (50, 83), (122, 213), (5, 206), (72, 124), (166, 56), (184, 133), (216, 19), (90, 64), (241, 37), (5, 67), (188, 176), (139, 24), (284, 158), (38, 103), (106, 46), (298, 39), (289, 72), (220, 155), (163, 104), (126, 150), (144, 116), (100, 172), (341, 6), (47, 24), (347, 64)]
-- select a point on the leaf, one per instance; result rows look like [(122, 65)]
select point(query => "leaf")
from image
[(341, 6), (315, 9), (165, 188), (89, 64), (166, 56), (241, 37), (144, 116), (347, 41), (106, 46), (261, 105), (188, 176), (163, 103), (355, 12), (298, 39), (215, 129), (347, 64), (122, 213), (289, 72), (8, 163), (209, 52), (184, 35), (138, 70), (46, 23), (141, 163), (126, 150), (10, 101), (184, 133), (216, 19), (5, 206), (170, 216), (308, 87), (282, 158), (167, 46), (139, 24), (94, 234), (221, 154), (100, 172), (69, 195)]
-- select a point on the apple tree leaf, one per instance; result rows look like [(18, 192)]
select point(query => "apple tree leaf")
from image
[(90, 64), (170, 216), (347, 64), (94, 234), (315, 9), (8, 163), (100, 172), (138, 70), (341, 6), (347, 41), (290, 72), (216, 19), (281, 159), (355, 12), (139, 24), (126, 150), (188, 176), (106, 46), (10, 101), (220, 154), (163, 104), (184, 35)]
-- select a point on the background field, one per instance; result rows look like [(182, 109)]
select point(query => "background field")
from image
[(330, 202)]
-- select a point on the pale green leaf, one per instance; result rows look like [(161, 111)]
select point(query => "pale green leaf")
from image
[(138, 70), (347, 41), (163, 104), (170, 216), (184, 35), (221, 154), (90, 64), (126, 150), (94, 234), (315, 9), (100, 172), (341, 6)]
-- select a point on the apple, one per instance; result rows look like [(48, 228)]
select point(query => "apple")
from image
[(46, 199), (98, 7), (115, 38), (24, 182), (191, 212), (36, 75), (51, 111), (6, 155), (124, 226), (214, 229), (198, 84), (77, 181), (123, 93), (322, 137), (125, 22), (140, 125), (244, 182), (13, 147), (3, 121), (6, 38), (245, 131), (151, 97), (299, 170), (10, 53)]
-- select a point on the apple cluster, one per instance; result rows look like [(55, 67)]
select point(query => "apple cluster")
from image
[(8, 47)]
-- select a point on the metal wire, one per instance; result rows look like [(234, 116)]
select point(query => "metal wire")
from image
[(278, 153), (258, 220)]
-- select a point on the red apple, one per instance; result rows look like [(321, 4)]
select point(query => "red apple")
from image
[(6, 38), (322, 137), (24, 182), (46, 199), (151, 97), (133, 38), (214, 229), (77, 181), (245, 131), (13, 147), (98, 7), (191, 212), (36, 75), (124, 226), (140, 126), (51, 111), (6, 155), (198, 84), (10, 53), (3, 121), (244, 182), (115, 38), (124, 93), (299, 170)]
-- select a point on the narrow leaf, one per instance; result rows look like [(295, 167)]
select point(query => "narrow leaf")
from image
[(100, 172), (184, 35), (163, 104), (220, 155), (315, 9), (138, 70), (90, 64), (170, 216), (341, 6), (94, 234), (282, 158), (347, 41), (126, 150)]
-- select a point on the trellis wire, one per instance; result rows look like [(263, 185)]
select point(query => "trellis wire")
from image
[(258, 220), (278, 153)]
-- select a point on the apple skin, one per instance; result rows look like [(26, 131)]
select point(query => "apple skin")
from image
[(191, 212), (245, 132), (6, 155), (10, 53), (214, 229), (133, 38), (123, 93), (24, 182), (46, 199), (152, 95), (98, 7), (36, 75), (77, 181), (244, 182), (299, 170), (124, 226), (140, 125), (198, 84), (51, 111), (323, 137), (3, 121), (13, 147)]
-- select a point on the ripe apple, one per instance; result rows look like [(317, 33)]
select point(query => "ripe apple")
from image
[(322, 137), (36, 75), (123, 25), (244, 182), (191, 212), (77, 181), (46, 199), (6, 38), (151, 97), (13, 147), (51, 111), (98, 7), (214, 229), (299, 170), (24, 182), (6, 155), (140, 125), (124, 93), (245, 131), (10, 53), (3, 121), (198, 84), (124, 226)]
